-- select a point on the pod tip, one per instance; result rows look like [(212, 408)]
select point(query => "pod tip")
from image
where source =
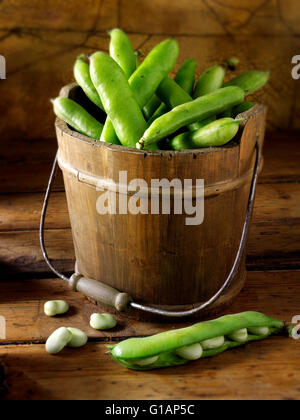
[(140, 144)]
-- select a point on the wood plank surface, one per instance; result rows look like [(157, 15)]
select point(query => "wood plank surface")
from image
[(21, 303), (258, 371)]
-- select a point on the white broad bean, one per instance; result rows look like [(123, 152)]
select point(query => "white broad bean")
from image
[(102, 321), (259, 330), (213, 343), (192, 352), (55, 307), (58, 340), (79, 338), (145, 362), (240, 336)]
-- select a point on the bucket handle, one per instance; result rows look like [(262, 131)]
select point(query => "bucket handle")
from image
[(106, 294)]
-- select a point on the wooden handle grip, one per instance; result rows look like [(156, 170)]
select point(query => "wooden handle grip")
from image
[(100, 292)]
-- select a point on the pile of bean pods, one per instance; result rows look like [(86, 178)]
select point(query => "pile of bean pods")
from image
[(141, 106), (205, 339)]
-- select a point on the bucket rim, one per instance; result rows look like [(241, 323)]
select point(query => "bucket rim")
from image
[(63, 126)]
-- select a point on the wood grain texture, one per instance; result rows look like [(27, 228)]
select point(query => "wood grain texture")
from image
[(40, 47), (273, 239), (21, 302), (258, 371), (20, 164), (217, 18), (264, 370)]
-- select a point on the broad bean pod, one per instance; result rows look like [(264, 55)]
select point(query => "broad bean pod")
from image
[(209, 81), (77, 117), (216, 133), (250, 81), (243, 107), (118, 99), (185, 77), (155, 67), (172, 96), (83, 78), (201, 108), (121, 51), (205, 339)]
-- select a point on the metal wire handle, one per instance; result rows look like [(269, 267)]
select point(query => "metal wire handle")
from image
[(128, 301)]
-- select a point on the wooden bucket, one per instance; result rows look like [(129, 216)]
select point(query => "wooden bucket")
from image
[(156, 258)]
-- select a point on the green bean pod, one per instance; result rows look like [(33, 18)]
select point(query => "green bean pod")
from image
[(138, 54), (77, 117), (177, 347), (171, 94), (108, 133), (217, 133), (155, 67), (209, 81), (199, 124), (118, 99), (201, 108), (120, 49), (161, 110), (151, 106), (250, 81), (184, 79), (83, 78), (185, 76), (243, 107)]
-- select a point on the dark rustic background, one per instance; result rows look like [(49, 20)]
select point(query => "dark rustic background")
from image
[(40, 40)]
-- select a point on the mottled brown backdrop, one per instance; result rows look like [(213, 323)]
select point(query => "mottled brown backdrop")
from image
[(40, 40)]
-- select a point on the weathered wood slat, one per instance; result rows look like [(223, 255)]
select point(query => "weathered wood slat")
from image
[(274, 203), (21, 303), (216, 17), (258, 371)]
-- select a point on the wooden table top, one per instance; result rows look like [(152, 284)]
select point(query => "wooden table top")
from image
[(266, 370)]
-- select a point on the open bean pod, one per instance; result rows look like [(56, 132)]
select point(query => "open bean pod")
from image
[(205, 339)]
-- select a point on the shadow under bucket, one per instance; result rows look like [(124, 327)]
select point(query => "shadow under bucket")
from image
[(158, 259)]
